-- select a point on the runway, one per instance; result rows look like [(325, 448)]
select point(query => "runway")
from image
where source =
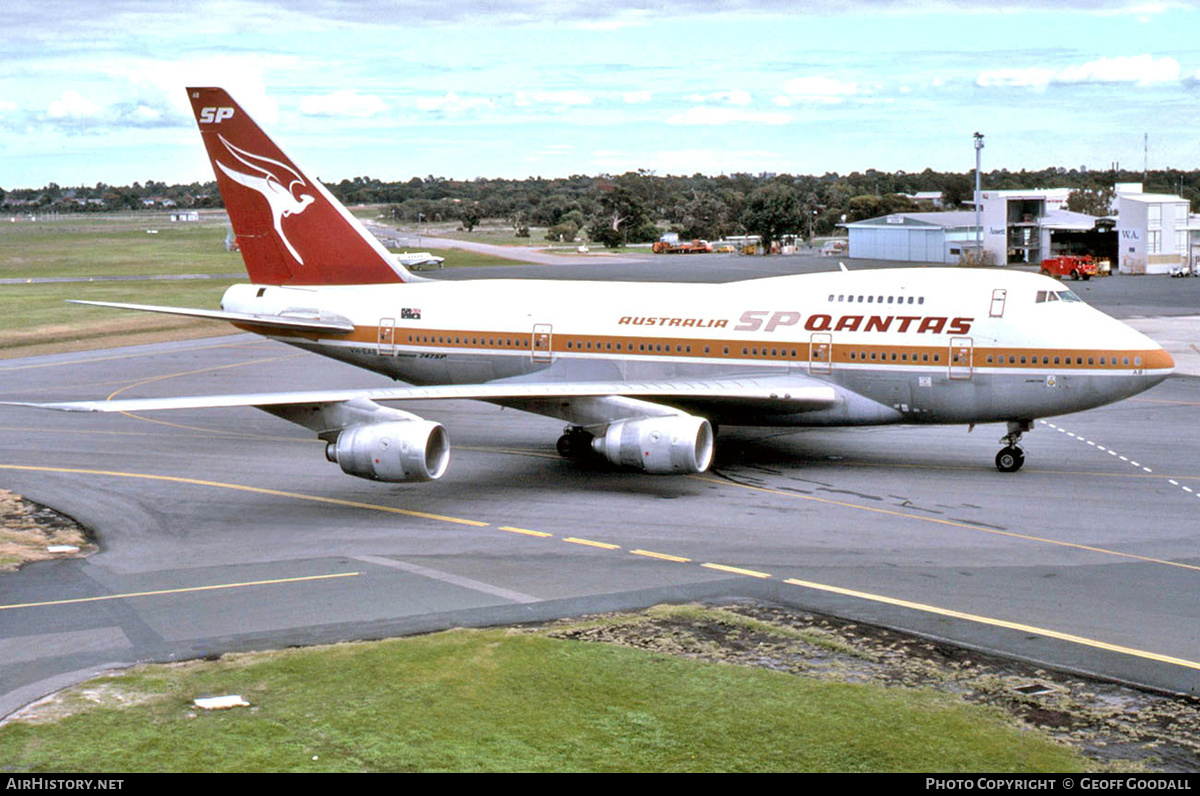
[(227, 529)]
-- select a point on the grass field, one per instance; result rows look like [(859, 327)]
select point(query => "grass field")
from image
[(35, 318), (505, 700)]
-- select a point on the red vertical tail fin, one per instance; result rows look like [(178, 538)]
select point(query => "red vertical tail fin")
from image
[(290, 229)]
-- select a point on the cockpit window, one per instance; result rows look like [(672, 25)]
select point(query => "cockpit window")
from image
[(1056, 295)]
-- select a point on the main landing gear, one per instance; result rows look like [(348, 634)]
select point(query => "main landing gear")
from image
[(1011, 457), (575, 443)]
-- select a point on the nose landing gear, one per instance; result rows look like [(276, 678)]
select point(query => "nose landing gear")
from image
[(1011, 457)]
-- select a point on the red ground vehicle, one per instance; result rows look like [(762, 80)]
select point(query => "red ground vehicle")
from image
[(1072, 265)]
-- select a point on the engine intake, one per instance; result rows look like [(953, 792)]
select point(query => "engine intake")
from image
[(405, 450), (660, 445)]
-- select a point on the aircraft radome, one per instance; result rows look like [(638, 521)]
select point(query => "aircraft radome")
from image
[(641, 373)]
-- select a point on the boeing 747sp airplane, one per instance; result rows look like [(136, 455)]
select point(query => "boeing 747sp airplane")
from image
[(641, 373)]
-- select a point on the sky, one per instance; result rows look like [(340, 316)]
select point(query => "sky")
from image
[(462, 89)]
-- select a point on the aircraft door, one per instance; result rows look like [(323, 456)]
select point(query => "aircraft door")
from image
[(962, 352), (541, 344), (386, 344), (998, 297), (820, 353)]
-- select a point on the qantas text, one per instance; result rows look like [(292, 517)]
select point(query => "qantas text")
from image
[(767, 321)]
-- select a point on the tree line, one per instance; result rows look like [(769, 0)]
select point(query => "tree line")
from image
[(638, 207)]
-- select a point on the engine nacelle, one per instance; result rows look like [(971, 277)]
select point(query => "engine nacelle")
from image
[(660, 445), (404, 450)]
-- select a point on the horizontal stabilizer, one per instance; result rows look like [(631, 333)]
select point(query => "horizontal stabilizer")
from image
[(327, 324)]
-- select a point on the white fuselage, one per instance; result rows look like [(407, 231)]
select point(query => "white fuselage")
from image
[(900, 345)]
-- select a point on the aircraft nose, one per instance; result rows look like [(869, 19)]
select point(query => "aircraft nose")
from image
[(1160, 359)]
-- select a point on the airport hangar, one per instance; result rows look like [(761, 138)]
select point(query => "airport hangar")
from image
[(1148, 234)]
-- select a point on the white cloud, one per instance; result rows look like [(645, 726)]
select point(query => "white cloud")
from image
[(343, 103), (1144, 12), (1030, 77), (623, 18), (1142, 70), (719, 116), (72, 105), (815, 88), (451, 103), (524, 99), (145, 115), (158, 81), (733, 97), (637, 97)]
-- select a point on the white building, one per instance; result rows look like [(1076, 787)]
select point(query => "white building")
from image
[(1012, 224), (1152, 233), (1156, 232), (913, 237)]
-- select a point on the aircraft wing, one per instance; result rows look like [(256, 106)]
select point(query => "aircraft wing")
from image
[(324, 322), (777, 394)]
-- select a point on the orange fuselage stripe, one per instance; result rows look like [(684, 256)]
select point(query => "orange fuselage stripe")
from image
[(418, 340)]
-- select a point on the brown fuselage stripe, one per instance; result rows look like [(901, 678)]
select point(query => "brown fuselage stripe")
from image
[(418, 340)]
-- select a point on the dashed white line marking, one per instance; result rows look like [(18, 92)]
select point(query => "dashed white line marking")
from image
[(1112, 452)]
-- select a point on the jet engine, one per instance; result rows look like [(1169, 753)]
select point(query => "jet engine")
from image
[(405, 450), (659, 445)]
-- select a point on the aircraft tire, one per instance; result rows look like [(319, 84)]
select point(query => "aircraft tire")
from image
[(1010, 459), (574, 444)]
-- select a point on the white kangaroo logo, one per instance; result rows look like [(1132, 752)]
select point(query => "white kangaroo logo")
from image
[(282, 200)]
